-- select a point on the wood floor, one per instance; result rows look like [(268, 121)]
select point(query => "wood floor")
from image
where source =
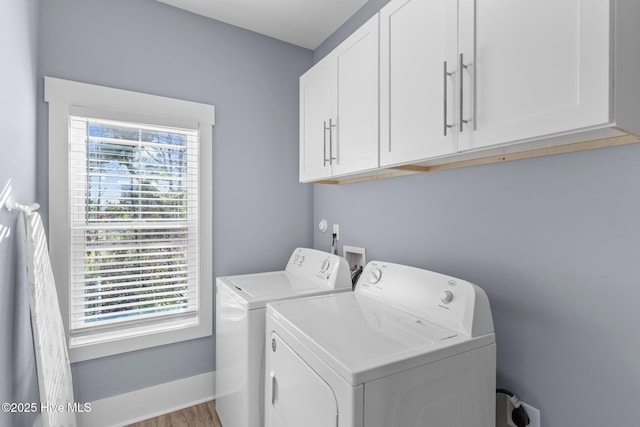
[(202, 415)]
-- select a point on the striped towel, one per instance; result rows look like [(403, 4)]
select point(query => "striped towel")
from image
[(52, 359)]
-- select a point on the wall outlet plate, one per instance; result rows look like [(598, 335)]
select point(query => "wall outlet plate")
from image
[(534, 415)]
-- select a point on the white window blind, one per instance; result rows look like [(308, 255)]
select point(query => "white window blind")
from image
[(133, 222)]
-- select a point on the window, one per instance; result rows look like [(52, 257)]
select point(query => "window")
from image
[(134, 229), (130, 176)]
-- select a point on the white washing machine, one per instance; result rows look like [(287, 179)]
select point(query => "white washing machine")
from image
[(407, 348), (240, 327)]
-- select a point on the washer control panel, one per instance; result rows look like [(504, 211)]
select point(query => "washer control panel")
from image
[(320, 267)]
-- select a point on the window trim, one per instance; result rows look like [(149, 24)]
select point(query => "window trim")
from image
[(67, 97)]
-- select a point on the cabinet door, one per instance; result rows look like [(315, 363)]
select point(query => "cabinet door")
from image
[(535, 68), (417, 98), (355, 140), (317, 99), (294, 394)]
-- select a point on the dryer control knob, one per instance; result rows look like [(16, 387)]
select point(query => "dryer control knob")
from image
[(446, 297), (325, 265), (375, 276)]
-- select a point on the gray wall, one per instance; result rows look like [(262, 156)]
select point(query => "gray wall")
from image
[(18, 34), (261, 212), (554, 241)]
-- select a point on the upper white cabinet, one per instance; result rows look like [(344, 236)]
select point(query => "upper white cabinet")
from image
[(459, 75), (339, 109), (531, 68), (418, 46), (466, 82), (317, 112)]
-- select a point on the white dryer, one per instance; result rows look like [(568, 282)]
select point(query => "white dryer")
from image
[(240, 326), (408, 348)]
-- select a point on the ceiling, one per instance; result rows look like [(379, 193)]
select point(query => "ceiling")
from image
[(305, 23)]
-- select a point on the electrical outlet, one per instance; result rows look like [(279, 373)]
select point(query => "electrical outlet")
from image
[(534, 415), (336, 231)]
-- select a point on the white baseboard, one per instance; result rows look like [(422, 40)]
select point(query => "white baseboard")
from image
[(138, 405)]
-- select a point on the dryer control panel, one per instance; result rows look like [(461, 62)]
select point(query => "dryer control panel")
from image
[(320, 267), (445, 300)]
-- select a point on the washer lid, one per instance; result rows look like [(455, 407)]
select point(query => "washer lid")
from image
[(277, 283), (255, 290), (362, 339)]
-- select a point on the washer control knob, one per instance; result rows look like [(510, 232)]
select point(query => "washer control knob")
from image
[(375, 276), (325, 265), (446, 297)]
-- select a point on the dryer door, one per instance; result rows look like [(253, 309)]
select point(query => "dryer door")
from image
[(295, 395)]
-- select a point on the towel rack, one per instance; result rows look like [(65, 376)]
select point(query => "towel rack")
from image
[(7, 201), (13, 205)]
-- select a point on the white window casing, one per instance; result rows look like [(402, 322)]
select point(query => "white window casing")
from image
[(130, 217)]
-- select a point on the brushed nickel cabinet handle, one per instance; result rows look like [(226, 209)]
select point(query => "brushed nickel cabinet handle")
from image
[(331, 126), (445, 74), (324, 143), (460, 70)]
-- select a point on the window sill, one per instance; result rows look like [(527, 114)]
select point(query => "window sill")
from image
[(95, 345)]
